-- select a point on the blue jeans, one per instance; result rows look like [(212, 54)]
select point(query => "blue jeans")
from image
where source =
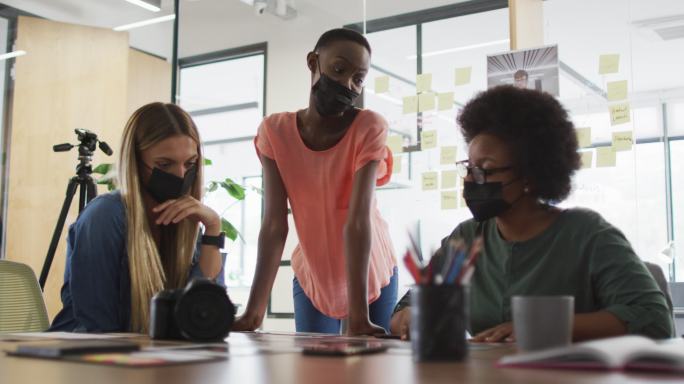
[(310, 319)]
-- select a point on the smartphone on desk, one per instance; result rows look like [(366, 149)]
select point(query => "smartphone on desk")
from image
[(343, 348)]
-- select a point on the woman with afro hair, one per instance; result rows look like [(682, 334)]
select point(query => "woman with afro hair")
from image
[(522, 154)]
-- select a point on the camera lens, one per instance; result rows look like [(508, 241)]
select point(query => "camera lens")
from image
[(204, 312)]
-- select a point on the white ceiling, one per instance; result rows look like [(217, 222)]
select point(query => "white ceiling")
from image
[(583, 29), (203, 19)]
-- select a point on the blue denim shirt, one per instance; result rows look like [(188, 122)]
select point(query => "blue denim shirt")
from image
[(96, 295)]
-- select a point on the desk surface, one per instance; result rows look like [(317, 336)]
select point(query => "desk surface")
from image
[(282, 363)]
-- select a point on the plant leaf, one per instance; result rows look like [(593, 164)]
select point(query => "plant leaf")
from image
[(207, 161), (212, 186), (102, 169), (234, 189), (229, 229)]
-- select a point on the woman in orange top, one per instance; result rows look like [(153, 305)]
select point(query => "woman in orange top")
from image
[(326, 160)]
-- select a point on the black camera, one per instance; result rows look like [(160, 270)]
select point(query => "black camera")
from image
[(200, 312)]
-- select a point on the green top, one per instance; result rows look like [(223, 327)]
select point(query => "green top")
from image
[(579, 254)]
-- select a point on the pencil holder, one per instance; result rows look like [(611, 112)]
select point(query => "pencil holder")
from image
[(439, 317)]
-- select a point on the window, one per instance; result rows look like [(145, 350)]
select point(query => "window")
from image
[(633, 194), (436, 48), (224, 93)]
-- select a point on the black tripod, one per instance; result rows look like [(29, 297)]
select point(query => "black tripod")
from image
[(82, 181)]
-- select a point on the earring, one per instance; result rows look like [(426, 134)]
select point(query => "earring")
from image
[(526, 189)]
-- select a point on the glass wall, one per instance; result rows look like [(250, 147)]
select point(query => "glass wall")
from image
[(430, 58), (73, 64), (228, 121)]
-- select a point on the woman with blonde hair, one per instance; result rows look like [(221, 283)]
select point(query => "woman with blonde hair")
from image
[(129, 244)]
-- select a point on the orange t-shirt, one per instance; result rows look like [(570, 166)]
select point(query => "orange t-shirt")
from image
[(319, 186)]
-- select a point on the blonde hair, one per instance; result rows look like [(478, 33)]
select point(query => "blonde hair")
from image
[(152, 269)]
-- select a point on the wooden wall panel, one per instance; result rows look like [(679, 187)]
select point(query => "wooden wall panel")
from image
[(149, 79), (71, 77)]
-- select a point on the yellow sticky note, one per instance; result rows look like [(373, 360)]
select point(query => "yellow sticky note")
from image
[(410, 104), (605, 157), (609, 63), (445, 101), (622, 141), (617, 90), (587, 157), (449, 179), (619, 114), (449, 200), (395, 143), (423, 82), (381, 84), (462, 76), (428, 139), (426, 102), (396, 164), (430, 181), (447, 155), (584, 137)]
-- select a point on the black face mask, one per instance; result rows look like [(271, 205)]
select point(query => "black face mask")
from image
[(164, 186), (485, 200), (331, 97)]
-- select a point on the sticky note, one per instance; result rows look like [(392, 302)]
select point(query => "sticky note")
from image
[(449, 179), (449, 200), (584, 137), (445, 101), (609, 63), (462, 76), (619, 113), (396, 164), (426, 102), (428, 139), (430, 181), (461, 200), (381, 84), (423, 82), (447, 155), (605, 157), (587, 157), (617, 90), (410, 104), (622, 141), (395, 143)]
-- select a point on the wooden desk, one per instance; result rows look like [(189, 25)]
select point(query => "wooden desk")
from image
[(247, 365)]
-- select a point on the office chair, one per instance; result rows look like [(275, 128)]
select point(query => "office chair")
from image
[(22, 308)]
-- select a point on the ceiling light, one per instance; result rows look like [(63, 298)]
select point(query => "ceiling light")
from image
[(10, 55), (150, 5), (144, 23), (459, 49)]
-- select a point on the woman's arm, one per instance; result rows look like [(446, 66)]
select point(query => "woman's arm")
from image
[(95, 248), (357, 244), (586, 326), (187, 207), (272, 238)]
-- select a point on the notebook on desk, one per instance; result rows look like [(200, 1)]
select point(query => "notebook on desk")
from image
[(625, 353)]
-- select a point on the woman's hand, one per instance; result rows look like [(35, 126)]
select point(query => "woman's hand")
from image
[(187, 207), (364, 327), (500, 333), (247, 322), (401, 323)]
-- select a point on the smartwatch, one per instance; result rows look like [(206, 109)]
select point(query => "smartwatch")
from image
[(218, 241)]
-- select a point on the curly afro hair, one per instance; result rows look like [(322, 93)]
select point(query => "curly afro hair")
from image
[(542, 138)]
